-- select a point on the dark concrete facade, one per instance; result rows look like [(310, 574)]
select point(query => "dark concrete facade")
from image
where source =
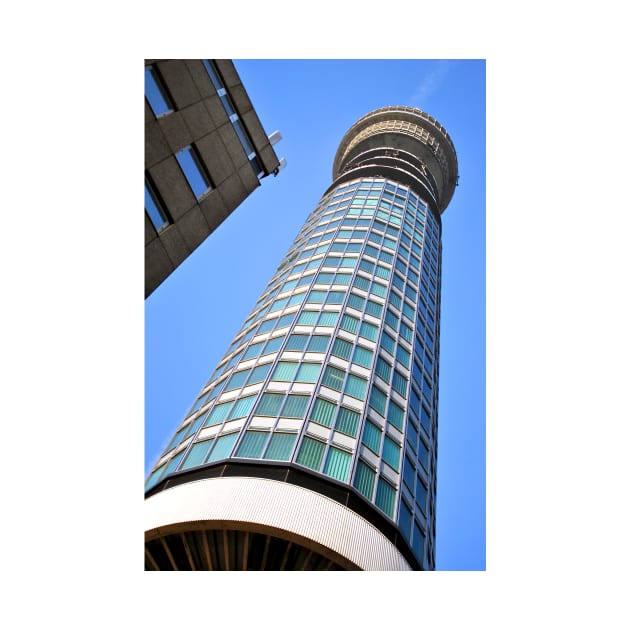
[(198, 119)]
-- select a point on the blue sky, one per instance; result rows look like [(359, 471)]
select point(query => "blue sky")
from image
[(190, 320)]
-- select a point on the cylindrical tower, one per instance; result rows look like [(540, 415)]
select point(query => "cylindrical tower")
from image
[(313, 445)]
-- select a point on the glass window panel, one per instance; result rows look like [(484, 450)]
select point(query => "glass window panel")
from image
[(192, 169), (372, 437), (308, 373), (222, 447), (253, 351), (391, 452), (333, 378), (285, 371), (385, 497), (399, 383), (337, 464), (342, 348), (349, 323), (347, 421), (318, 343), (418, 541), (383, 369), (343, 278), (269, 405), (311, 453), (317, 297), (404, 520), (259, 374), (425, 418), (379, 289), (325, 278), (335, 297), (297, 342), (218, 414), (152, 480), (252, 444), (409, 474), (281, 446), (153, 208), (403, 356), (395, 415), (242, 407), (355, 301), (423, 455), (323, 412), (308, 318), (237, 380), (378, 400), (328, 319), (363, 357), (155, 92), (295, 406), (421, 496), (372, 308), (364, 479), (172, 465), (273, 345), (356, 387)]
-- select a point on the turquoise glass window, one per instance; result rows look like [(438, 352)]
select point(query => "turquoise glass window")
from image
[(281, 446), (372, 437), (355, 301), (285, 371), (391, 452), (364, 479), (308, 373), (372, 308), (218, 414), (318, 343), (333, 378), (323, 412), (259, 374), (385, 497), (337, 464), (395, 415), (311, 453), (295, 406), (342, 348), (383, 369), (378, 400), (252, 444), (349, 323), (347, 421), (269, 405), (363, 356), (237, 380), (328, 319), (297, 342), (399, 383), (222, 447), (242, 407), (356, 387), (369, 331), (307, 318)]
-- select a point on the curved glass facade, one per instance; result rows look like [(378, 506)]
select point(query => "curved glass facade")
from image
[(335, 369)]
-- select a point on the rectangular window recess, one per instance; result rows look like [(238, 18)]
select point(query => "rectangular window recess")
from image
[(154, 208), (196, 176), (155, 92)]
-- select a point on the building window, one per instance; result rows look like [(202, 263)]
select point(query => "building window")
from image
[(192, 168), (154, 208), (156, 93)]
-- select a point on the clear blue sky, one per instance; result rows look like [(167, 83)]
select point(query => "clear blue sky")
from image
[(190, 320)]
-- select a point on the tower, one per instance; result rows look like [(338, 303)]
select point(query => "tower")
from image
[(313, 444)]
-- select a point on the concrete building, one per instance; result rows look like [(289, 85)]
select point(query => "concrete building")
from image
[(313, 444), (205, 152)]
